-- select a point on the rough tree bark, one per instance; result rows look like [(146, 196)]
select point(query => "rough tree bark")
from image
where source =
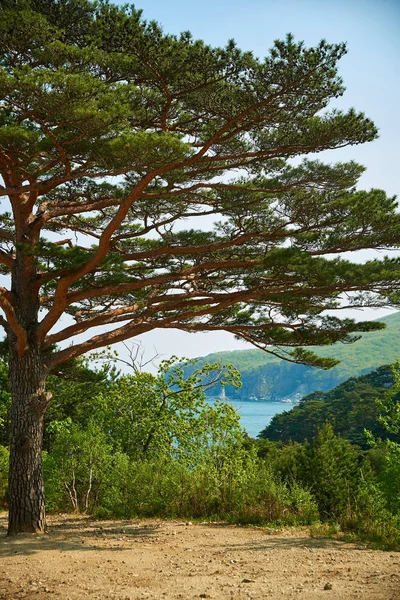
[(28, 375), (26, 486)]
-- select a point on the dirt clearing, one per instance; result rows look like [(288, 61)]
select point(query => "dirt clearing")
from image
[(83, 558)]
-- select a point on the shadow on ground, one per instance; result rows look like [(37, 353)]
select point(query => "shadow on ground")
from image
[(276, 539), (75, 533), (290, 543)]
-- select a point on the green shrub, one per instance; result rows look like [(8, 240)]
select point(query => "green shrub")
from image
[(155, 448), (77, 468), (330, 468), (4, 460)]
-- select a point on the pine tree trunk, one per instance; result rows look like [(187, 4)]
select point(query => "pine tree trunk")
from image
[(29, 402)]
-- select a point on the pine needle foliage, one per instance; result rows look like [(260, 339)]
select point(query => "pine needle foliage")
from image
[(113, 134)]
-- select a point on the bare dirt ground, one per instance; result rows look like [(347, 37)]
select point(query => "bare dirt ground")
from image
[(80, 558)]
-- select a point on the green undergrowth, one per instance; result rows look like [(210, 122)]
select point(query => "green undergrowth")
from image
[(151, 446)]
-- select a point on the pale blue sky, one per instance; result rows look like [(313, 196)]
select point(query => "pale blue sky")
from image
[(370, 70)]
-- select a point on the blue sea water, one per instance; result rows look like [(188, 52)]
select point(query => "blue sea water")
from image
[(255, 416)]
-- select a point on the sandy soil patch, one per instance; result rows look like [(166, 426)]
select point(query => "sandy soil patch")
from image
[(81, 558)]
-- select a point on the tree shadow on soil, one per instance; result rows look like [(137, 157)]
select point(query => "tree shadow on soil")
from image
[(289, 543), (77, 533), (275, 539)]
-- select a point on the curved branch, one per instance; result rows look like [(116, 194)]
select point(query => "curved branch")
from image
[(6, 259), (149, 282), (122, 333), (7, 235), (6, 303), (60, 302), (114, 316)]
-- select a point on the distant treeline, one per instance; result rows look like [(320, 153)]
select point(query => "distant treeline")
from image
[(350, 408), (266, 377)]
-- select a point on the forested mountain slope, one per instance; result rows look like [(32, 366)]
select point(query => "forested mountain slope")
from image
[(350, 408), (268, 378)]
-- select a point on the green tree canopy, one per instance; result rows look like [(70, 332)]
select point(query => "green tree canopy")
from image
[(113, 133)]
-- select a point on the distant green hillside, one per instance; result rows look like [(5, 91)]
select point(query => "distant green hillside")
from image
[(266, 377), (350, 408)]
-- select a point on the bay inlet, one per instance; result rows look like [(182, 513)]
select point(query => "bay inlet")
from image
[(255, 416)]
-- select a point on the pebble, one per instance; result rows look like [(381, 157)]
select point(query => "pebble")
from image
[(328, 586)]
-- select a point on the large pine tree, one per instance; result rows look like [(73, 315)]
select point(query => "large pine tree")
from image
[(114, 134)]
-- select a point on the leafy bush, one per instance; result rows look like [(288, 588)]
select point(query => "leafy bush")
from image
[(154, 447), (4, 458), (220, 479), (77, 469), (331, 470)]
